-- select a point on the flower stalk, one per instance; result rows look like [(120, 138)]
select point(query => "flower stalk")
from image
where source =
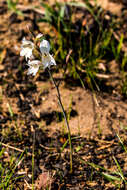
[(65, 117)]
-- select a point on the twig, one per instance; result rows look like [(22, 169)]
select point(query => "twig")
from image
[(47, 148), (27, 184), (12, 147), (25, 8)]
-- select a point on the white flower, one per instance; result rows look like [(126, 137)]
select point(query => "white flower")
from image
[(47, 60), (26, 48), (44, 46), (33, 67)]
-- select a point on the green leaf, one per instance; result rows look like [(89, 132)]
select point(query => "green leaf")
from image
[(120, 44), (62, 12), (12, 6), (10, 110), (110, 177)]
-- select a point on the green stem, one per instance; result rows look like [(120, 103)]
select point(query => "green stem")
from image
[(33, 160), (65, 117)]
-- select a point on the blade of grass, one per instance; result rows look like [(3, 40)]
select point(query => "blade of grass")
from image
[(119, 169), (122, 143), (10, 110), (86, 6)]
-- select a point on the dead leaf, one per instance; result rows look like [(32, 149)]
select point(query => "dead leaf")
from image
[(2, 56), (44, 180)]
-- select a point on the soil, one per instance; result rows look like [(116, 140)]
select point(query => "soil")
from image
[(30, 115)]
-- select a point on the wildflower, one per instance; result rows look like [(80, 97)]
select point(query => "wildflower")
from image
[(33, 67), (47, 60), (43, 57), (26, 48)]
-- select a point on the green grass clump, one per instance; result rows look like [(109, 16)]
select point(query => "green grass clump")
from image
[(79, 46), (8, 176), (12, 6)]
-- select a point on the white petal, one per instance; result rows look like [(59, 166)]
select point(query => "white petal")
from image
[(23, 40), (34, 63), (39, 35), (27, 52), (52, 62), (33, 67), (26, 48), (44, 46), (47, 60), (26, 42), (22, 52), (33, 70)]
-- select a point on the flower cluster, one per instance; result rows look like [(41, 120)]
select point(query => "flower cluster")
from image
[(43, 57)]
